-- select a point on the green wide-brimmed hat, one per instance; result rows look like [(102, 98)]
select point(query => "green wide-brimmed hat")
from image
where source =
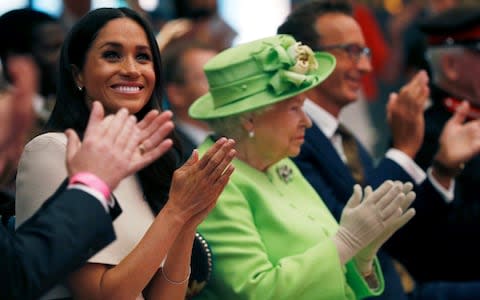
[(252, 75)]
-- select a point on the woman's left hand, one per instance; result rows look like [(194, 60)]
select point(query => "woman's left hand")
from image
[(198, 183)]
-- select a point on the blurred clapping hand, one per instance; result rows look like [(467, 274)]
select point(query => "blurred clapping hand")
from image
[(118, 139), (172, 30), (16, 112)]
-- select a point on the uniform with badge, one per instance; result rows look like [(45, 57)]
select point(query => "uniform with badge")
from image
[(456, 257)]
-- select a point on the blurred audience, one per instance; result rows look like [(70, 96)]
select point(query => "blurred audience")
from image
[(33, 33), (438, 6), (405, 35), (185, 81), (172, 30), (208, 26), (30, 32), (73, 10)]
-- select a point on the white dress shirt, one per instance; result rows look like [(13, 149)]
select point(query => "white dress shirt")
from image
[(195, 133), (328, 124)]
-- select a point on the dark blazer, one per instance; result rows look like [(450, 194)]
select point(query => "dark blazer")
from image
[(331, 178), (68, 229), (186, 143), (462, 222)]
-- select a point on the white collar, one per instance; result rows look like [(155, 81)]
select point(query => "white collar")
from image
[(195, 133), (39, 106), (327, 123)]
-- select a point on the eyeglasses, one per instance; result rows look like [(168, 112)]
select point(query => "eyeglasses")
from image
[(355, 51)]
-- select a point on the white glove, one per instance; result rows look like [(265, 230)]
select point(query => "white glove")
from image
[(364, 258), (364, 221)]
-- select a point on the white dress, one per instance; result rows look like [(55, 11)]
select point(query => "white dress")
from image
[(40, 172)]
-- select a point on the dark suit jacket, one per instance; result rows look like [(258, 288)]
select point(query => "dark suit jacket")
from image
[(462, 222), (67, 230), (186, 143), (331, 178)]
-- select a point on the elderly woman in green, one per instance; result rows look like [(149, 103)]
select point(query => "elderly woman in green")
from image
[(271, 235)]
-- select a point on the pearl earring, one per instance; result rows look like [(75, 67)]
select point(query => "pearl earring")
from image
[(251, 134), (80, 88)]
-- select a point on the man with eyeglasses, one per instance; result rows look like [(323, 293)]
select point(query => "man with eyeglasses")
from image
[(185, 82), (333, 160)]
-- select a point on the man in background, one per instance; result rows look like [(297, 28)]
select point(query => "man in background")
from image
[(333, 160), (185, 80), (30, 32), (453, 52)]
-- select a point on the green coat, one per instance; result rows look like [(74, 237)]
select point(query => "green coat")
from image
[(270, 239)]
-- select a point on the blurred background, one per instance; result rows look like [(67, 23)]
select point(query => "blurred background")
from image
[(390, 28), (250, 19)]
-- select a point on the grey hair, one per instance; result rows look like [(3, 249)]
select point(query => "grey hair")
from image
[(434, 56), (231, 126)]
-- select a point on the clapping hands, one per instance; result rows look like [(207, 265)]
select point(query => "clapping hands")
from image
[(366, 224), (459, 140), (16, 113), (405, 114), (198, 183), (116, 146), (365, 257)]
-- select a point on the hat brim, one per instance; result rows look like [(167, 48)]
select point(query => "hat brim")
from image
[(203, 108)]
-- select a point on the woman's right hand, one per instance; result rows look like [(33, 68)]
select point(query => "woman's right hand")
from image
[(364, 221), (198, 183)]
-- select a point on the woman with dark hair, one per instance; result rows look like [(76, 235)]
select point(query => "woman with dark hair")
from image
[(111, 56)]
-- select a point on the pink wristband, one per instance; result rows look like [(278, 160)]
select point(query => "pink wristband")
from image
[(91, 180)]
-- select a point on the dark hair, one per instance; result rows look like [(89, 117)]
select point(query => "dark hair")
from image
[(174, 69), (189, 9), (71, 110), (301, 21), (17, 31)]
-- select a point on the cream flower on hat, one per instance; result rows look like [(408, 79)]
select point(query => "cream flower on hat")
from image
[(304, 58)]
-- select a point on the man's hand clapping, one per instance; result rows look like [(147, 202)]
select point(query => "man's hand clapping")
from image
[(116, 146)]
